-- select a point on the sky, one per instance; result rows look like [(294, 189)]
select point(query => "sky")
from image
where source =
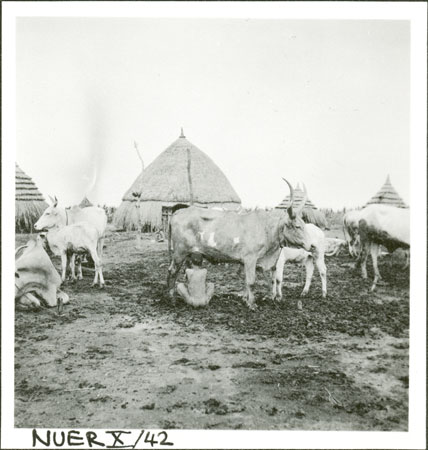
[(316, 101)]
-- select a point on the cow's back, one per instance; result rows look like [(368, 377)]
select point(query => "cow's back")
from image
[(92, 214), (385, 223)]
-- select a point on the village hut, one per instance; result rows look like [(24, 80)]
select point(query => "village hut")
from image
[(310, 213), (387, 195), (29, 202), (180, 176), (85, 203)]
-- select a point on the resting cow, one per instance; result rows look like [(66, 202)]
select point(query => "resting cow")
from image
[(36, 280), (382, 225), (316, 240), (333, 246), (252, 239), (74, 239)]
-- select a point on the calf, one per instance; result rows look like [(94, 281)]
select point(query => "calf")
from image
[(74, 239), (316, 239)]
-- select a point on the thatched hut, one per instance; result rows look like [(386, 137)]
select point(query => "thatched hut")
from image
[(85, 203), (29, 202), (310, 213), (181, 175), (387, 195)]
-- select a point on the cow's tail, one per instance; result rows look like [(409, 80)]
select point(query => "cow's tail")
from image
[(169, 241)]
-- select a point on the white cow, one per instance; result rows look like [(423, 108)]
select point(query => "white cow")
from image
[(350, 230), (333, 246), (55, 217), (316, 238), (74, 239), (36, 280), (382, 225)]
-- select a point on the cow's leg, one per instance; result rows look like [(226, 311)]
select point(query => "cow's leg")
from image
[(277, 279), (63, 265), (250, 280), (362, 260), (98, 268), (322, 269), (100, 247), (72, 261), (309, 266), (374, 251), (79, 269)]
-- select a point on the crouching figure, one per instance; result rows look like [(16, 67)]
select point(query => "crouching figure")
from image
[(196, 292)]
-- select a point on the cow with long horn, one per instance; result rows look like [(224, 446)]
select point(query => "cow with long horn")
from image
[(253, 239)]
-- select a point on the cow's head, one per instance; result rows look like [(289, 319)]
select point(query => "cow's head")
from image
[(51, 217), (293, 233)]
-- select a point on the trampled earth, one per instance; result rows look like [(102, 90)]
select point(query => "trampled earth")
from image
[(125, 357)]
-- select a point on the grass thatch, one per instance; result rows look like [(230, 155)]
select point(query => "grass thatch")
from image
[(165, 182), (27, 212), (29, 202), (387, 195)]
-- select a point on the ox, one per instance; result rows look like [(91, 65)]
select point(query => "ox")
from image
[(55, 217), (252, 239), (36, 280), (77, 238), (350, 230), (316, 240), (382, 225)]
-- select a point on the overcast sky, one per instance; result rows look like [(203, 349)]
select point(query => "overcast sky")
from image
[(324, 102)]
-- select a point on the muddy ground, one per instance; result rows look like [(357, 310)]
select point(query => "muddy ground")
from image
[(124, 357)]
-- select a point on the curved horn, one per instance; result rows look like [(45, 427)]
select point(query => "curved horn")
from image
[(56, 201), (305, 197), (51, 199), (290, 206)]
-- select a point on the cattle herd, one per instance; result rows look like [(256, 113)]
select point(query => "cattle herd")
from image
[(259, 238)]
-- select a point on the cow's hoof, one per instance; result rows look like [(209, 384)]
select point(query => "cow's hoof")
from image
[(102, 286), (80, 278), (304, 294), (324, 295), (252, 307)]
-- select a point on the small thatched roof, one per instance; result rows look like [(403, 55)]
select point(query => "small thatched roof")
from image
[(387, 195), (166, 182), (85, 203), (29, 202), (310, 213)]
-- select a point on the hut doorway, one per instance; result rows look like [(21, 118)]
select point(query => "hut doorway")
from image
[(167, 212)]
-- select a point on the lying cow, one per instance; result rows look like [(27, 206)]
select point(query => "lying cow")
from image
[(382, 225), (316, 239), (56, 217), (70, 240), (36, 280), (252, 239), (333, 246)]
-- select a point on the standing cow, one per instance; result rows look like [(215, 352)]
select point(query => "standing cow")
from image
[(253, 239), (382, 225), (55, 217)]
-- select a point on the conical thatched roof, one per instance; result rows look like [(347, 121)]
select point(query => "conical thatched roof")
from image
[(387, 196), (166, 182), (310, 213), (85, 203), (29, 202)]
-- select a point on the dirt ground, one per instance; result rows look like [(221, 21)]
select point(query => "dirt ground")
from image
[(124, 357)]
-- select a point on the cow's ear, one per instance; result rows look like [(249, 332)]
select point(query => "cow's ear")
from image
[(51, 199)]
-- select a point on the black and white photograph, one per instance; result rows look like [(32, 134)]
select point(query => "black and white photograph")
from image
[(220, 225)]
